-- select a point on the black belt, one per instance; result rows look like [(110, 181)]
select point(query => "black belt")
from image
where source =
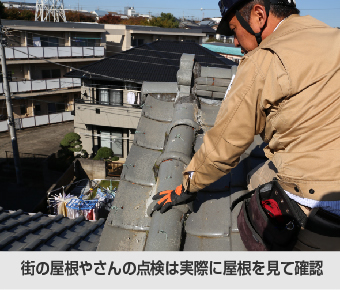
[(322, 222)]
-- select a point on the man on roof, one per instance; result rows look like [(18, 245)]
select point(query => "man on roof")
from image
[(287, 90)]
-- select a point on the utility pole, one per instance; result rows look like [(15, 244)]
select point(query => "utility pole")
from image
[(9, 108)]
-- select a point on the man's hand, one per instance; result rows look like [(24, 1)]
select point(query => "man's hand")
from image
[(169, 198)]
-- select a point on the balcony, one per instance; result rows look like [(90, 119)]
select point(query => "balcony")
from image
[(25, 52), (37, 121), (42, 85)]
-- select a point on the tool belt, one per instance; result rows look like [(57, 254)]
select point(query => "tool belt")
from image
[(270, 221)]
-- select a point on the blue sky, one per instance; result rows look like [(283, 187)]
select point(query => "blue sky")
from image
[(325, 10)]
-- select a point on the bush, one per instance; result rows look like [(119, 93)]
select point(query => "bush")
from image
[(103, 153)]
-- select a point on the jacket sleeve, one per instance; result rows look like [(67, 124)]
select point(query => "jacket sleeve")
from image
[(240, 118)]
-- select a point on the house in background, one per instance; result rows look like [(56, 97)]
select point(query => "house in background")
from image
[(37, 85), (109, 110), (124, 37), (210, 33)]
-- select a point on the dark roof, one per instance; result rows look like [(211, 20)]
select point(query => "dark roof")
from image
[(161, 29), (39, 232), (204, 28), (155, 62), (61, 25), (157, 158)]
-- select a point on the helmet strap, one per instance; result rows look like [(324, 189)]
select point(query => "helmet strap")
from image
[(247, 27)]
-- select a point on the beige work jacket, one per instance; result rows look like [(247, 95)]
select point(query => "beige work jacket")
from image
[(287, 90)]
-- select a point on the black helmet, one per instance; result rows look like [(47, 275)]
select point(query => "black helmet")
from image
[(231, 6)]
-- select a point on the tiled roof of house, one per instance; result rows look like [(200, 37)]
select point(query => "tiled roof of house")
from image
[(154, 62), (174, 119), (21, 231)]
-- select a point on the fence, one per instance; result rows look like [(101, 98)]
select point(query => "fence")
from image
[(36, 121), (24, 52), (42, 85), (9, 155)]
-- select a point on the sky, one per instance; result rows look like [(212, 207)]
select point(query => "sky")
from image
[(325, 10)]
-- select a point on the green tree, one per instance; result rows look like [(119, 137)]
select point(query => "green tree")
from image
[(166, 20), (103, 153)]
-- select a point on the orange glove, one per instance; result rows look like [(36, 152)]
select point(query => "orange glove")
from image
[(169, 198)]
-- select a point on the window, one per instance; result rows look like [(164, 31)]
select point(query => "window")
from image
[(116, 97), (50, 73), (37, 109), (104, 97), (83, 42), (137, 42), (51, 108), (48, 41), (22, 109), (112, 139), (60, 107), (110, 97)]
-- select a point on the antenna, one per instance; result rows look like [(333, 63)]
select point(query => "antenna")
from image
[(47, 8)]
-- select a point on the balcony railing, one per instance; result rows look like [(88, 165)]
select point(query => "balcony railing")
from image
[(42, 85), (24, 52), (36, 121)]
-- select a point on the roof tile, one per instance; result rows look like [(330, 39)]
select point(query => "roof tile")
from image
[(129, 207)]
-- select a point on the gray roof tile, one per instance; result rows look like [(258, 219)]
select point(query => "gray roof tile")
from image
[(236, 243), (169, 174), (235, 194), (139, 166), (165, 231), (209, 114), (185, 111), (223, 184), (211, 217), (198, 142), (194, 243), (150, 132), (129, 207), (116, 239), (158, 110), (159, 88), (179, 138)]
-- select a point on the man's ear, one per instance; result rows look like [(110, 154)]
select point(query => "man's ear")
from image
[(259, 15)]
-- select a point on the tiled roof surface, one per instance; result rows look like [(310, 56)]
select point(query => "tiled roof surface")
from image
[(21, 231), (154, 62), (171, 129)]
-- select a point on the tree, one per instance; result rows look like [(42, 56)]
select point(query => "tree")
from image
[(135, 21), (166, 20), (75, 16), (71, 146), (2, 11), (17, 14), (110, 19), (103, 153)]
